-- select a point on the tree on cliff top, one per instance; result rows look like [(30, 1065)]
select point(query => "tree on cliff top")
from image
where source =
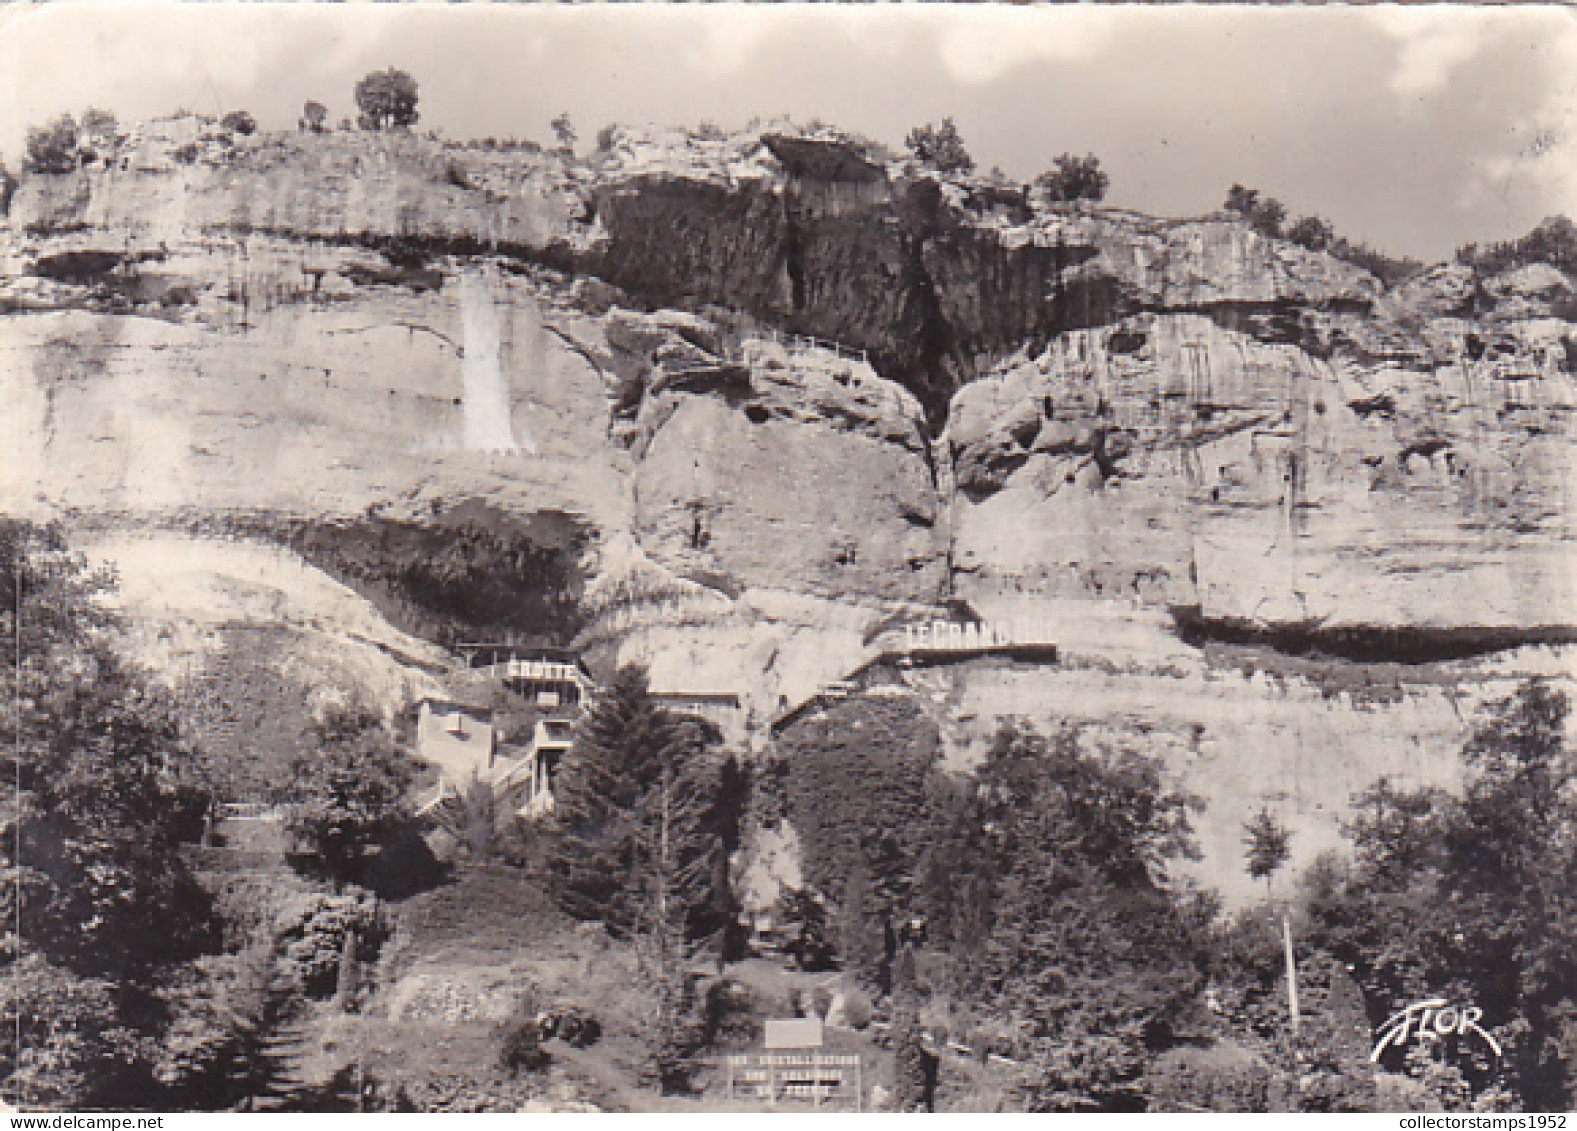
[(564, 130), (386, 99), (1074, 178), (1265, 214), (940, 146)]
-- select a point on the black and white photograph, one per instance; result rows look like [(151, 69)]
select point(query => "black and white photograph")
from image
[(839, 558)]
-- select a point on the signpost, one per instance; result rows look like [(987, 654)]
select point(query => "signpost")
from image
[(778, 1076)]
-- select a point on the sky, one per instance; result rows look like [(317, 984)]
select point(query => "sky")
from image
[(1415, 129)]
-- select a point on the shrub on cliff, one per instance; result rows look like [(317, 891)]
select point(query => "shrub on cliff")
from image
[(53, 148), (1074, 178), (239, 122), (386, 99), (564, 131), (1264, 214), (941, 147), (313, 115), (100, 134), (1313, 233)]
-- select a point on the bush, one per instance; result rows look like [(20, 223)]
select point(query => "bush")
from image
[(313, 115), (520, 1038), (1074, 178), (1553, 241), (564, 130), (53, 148), (821, 1002), (1208, 1080), (312, 931), (1264, 214), (857, 1010), (579, 1028), (1313, 233), (239, 122)]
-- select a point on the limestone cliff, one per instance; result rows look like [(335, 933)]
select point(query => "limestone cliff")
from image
[(798, 394)]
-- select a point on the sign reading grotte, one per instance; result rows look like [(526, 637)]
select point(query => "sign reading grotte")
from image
[(1430, 1020)]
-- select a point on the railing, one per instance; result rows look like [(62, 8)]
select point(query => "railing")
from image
[(805, 343)]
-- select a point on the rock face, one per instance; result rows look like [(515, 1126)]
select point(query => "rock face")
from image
[(800, 394), (1173, 461), (815, 479)]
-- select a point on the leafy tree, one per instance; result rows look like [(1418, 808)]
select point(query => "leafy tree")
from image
[(386, 99), (804, 916), (53, 148), (240, 122), (313, 115), (104, 795), (1074, 178), (941, 147), (1313, 233), (63, 1039), (1269, 844), (1091, 957), (102, 799), (350, 792), (564, 130)]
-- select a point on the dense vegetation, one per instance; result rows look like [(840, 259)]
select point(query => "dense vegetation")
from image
[(136, 982), (941, 147), (1552, 242), (1470, 898), (1268, 216), (1043, 878)]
